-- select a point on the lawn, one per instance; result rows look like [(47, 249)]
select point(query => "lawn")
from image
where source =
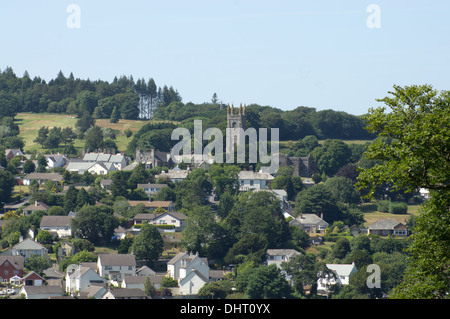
[(371, 214)]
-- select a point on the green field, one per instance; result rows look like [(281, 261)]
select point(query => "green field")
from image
[(30, 123)]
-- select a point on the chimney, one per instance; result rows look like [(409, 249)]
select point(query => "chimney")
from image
[(321, 215), (35, 203)]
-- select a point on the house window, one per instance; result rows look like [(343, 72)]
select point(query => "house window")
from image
[(108, 267)]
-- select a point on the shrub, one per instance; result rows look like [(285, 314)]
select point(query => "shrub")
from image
[(383, 206), (398, 208)]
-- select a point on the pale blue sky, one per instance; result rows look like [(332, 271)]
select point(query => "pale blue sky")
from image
[(281, 53)]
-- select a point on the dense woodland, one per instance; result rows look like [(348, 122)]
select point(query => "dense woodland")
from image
[(127, 98)]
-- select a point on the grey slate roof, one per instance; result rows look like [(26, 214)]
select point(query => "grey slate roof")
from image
[(56, 221), (382, 224), (117, 260)]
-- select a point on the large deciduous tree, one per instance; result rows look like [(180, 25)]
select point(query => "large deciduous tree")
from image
[(417, 156)]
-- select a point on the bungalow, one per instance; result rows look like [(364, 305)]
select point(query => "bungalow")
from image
[(61, 225), (249, 180), (342, 274), (387, 227), (37, 206), (106, 184), (28, 248), (10, 266), (124, 293), (41, 178), (178, 220), (41, 292), (116, 266), (310, 223), (139, 281)]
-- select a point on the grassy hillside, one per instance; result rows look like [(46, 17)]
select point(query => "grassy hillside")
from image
[(30, 123)]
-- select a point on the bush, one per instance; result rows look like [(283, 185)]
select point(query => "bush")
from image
[(383, 206), (398, 208)]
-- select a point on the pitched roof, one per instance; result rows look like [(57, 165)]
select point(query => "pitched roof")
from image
[(342, 269), (38, 290), (127, 292), (384, 224), (254, 175), (177, 215), (117, 260), (56, 177), (309, 219), (56, 221), (37, 206), (151, 185), (17, 261), (28, 244), (282, 252)]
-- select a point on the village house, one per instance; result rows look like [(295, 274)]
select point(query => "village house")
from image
[(60, 225), (41, 178), (139, 281), (174, 175), (118, 160), (249, 180), (151, 189), (191, 271), (27, 248), (342, 274), (116, 266), (153, 205), (125, 293), (10, 266), (36, 206), (80, 278), (11, 153), (98, 168), (41, 292), (310, 223), (178, 220), (278, 256), (388, 227)]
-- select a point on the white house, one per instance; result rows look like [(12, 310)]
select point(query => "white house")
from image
[(191, 284), (80, 278), (28, 248), (92, 167), (342, 273), (174, 175), (61, 225), (310, 223), (118, 160), (178, 220), (55, 160), (191, 271), (151, 189), (277, 256), (249, 180), (116, 266)]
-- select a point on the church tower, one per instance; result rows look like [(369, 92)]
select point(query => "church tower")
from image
[(235, 122)]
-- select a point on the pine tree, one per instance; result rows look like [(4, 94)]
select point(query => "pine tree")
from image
[(115, 115)]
